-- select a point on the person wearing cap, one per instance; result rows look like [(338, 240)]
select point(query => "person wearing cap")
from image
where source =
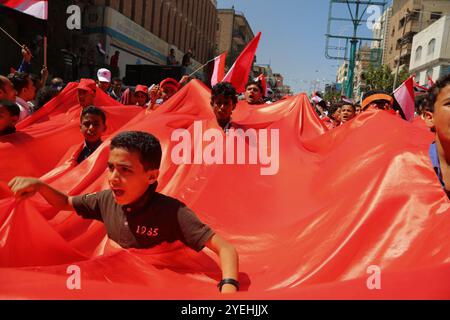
[(104, 79), (168, 88), (377, 99), (141, 95), (86, 92)]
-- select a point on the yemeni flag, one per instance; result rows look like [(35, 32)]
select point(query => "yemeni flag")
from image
[(405, 98), (35, 8), (239, 72), (262, 80), (218, 72)]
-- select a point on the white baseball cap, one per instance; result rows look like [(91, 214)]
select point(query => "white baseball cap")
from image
[(104, 75)]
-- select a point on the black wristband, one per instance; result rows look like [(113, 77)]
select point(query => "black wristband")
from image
[(228, 281)]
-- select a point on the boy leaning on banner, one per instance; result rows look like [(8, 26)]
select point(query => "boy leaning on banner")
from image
[(134, 214)]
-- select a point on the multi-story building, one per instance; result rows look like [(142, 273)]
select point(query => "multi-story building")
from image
[(342, 73), (380, 31), (233, 33), (408, 18), (280, 89), (431, 51), (364, 59)]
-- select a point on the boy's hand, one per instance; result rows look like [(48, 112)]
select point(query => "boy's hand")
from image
[(24, 187), (154, 93), (26, 54), (44, 72), (228, 288)]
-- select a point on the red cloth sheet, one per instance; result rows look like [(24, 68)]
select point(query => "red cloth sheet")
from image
[(363, 194)]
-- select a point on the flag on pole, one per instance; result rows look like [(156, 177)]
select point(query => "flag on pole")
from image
[(419, 90), (35, 8), (239, 72), (219, 69), (262, 80), (405, 98)]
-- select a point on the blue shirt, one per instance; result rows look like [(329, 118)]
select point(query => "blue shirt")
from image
[(435, 161)]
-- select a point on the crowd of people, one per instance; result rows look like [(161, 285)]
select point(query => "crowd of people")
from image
[(135, 156)]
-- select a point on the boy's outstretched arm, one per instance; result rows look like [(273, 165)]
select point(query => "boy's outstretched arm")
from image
[(25, 187), (229, 260)]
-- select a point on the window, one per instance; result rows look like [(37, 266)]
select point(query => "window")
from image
[(431, 46), (402, 23), (418, 53), (435, 15)]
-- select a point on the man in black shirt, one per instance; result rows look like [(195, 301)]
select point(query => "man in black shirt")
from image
[(134, 214)]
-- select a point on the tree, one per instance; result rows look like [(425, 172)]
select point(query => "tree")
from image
[(382, 78)]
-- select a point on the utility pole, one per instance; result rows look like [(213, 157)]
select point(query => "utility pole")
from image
[(355, 20), (351, 66)]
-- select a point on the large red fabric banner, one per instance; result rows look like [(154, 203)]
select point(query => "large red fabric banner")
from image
[(345, 206)]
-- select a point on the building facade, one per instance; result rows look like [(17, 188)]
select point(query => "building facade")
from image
[(342, 73), (431, 51), (183, 24), (408, 18), (233, 33), (364, 60)]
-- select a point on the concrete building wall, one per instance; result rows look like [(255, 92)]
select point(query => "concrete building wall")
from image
[(422, 13), (233, 34), (431, 51)]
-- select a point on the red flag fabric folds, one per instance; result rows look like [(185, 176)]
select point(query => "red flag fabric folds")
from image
[(240, 70), (342, 203)]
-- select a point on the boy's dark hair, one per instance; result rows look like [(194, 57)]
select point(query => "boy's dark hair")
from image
[(334, 107), (19, 80), (116, 79), (440, 84), (144, 143), (44, 95), (344, 103), (12, 108), (93, 110), (257, 83), (224, 89)]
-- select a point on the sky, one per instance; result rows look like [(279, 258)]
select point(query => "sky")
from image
[(293, 37)]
